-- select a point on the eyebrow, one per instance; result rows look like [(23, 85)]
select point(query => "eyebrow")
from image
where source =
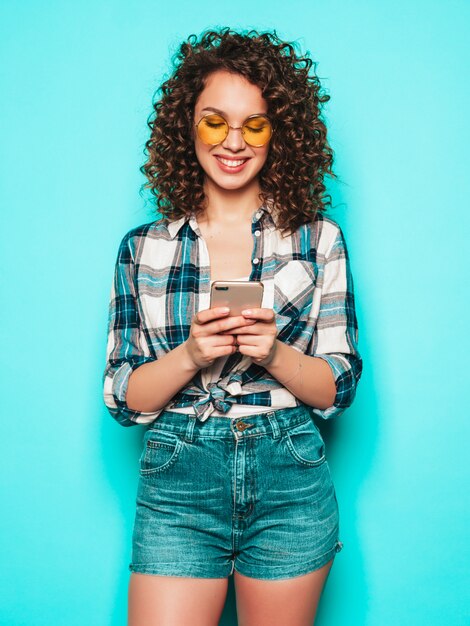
[(223, 112)]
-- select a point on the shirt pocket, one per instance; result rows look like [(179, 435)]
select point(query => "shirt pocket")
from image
[(294, 285)]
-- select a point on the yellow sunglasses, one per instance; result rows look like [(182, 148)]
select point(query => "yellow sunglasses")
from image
[(213, 129)]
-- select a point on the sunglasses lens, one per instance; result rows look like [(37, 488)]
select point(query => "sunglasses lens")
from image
[(212, 129), (257, 131)]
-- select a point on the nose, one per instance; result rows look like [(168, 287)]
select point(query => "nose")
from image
[(234, 140)]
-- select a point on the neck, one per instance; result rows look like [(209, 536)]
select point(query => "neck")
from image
[(230, 206)]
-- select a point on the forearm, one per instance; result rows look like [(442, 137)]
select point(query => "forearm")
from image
[(313, 382), (153, 384)]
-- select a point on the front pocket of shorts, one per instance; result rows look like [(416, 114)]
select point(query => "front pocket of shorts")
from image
[(306, 445), (161, 451)]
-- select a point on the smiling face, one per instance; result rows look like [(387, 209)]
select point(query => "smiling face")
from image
[(232, 164)]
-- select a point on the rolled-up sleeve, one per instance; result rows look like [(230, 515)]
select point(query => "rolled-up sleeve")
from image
[(335, 338), (127, 347)]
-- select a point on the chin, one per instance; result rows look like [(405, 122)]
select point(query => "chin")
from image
[(232, 181), (232, 185)]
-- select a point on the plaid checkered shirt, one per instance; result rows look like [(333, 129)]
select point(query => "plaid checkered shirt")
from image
[(162, 278)]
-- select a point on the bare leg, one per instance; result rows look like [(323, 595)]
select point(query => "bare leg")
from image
[(285, 602), (175, 600)]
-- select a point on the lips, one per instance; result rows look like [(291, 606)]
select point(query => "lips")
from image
[(231, 165), (231, 162)]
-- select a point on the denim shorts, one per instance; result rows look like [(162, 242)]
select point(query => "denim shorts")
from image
[(253, 493)]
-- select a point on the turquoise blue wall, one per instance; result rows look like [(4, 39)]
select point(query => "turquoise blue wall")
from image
[(76, 83)]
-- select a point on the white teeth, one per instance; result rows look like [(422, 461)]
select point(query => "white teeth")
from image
[(231, 162)]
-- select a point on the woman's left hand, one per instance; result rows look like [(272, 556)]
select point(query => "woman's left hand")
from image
[(257, 341)]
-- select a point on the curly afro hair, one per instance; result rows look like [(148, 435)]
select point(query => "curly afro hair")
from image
[(299, 156)]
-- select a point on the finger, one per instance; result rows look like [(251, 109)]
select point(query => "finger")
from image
[(207, 345), (249, 350), (264, 314), (239, 329), (224, 340), (225, 350), (247, 340), (222, 325), (207, 315), (255, 329)]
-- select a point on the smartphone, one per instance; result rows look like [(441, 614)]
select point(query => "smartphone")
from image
[(237, 295)]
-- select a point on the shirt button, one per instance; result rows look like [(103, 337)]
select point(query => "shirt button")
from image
[(258, 215), (257, 233), (256, 261)]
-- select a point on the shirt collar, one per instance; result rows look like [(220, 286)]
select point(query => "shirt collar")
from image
[(263, 213), (173, 227)]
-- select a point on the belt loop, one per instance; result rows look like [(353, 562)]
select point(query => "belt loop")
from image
[(271, 415), (189, 435)]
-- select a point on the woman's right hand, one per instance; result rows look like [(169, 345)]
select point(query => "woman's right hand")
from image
[(205, 344)]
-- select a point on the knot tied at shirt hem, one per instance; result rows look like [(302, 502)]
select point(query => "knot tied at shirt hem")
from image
[(218, 397)]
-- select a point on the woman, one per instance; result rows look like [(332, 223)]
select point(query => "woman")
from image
[(233, 476)]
